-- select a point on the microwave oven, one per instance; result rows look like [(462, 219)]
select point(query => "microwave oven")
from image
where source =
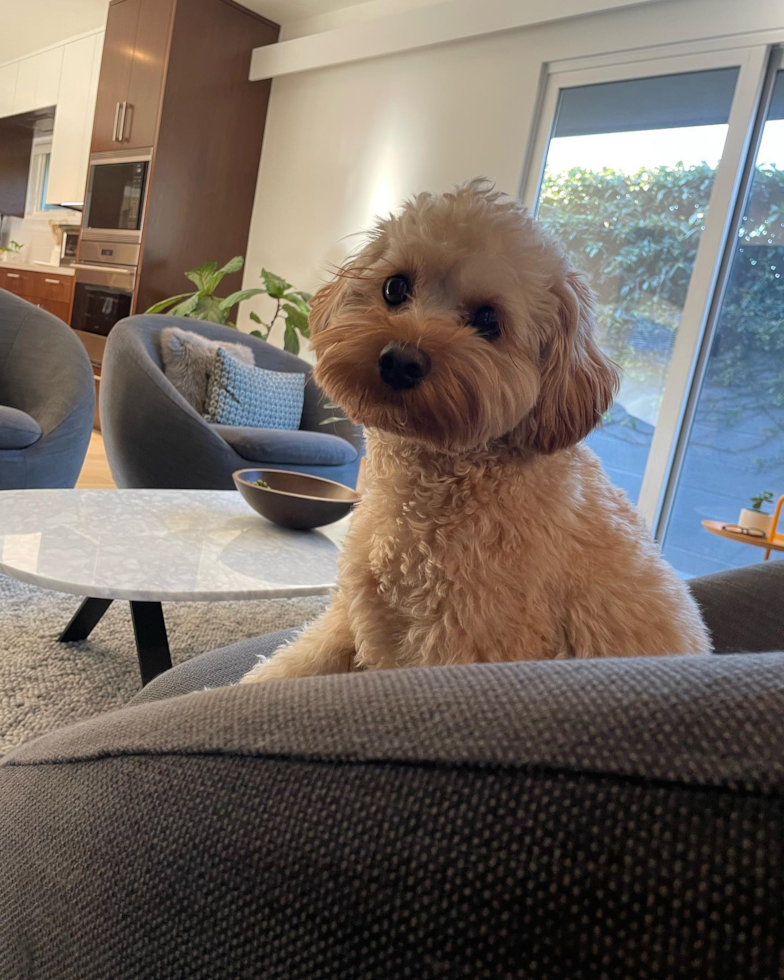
[(116, 194)]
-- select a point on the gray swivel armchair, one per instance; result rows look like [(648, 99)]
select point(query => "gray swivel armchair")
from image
[(47, 398), (155, 439)]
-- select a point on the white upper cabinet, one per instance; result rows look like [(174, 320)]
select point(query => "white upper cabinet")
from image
[(8, 76), (38, 80), (73, 121)]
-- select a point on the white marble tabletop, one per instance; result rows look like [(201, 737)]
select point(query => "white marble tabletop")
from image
[(160, 545)]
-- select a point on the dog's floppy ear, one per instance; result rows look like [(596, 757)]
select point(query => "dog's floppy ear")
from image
[(578, 380), (323, 303)]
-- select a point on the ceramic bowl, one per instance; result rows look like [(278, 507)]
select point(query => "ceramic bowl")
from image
[(295, 500)]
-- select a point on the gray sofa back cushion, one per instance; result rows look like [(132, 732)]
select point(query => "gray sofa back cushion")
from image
[(539, 820)]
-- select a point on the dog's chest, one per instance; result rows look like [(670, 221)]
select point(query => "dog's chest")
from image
[(422, 542)]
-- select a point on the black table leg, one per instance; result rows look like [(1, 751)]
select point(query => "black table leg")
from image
[(152, 645), (84, 620)]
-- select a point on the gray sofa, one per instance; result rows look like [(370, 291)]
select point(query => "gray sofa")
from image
[(155, 439), (589, 819), (47, 398)]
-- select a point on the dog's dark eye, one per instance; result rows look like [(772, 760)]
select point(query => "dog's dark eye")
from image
[(485, 319), (397, 289)]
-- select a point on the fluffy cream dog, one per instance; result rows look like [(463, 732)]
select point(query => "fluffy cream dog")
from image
[(462, 340)]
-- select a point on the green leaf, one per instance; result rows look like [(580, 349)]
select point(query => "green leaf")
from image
[(301, 304), (209, 309), (276, 286), (296, 319), (238, 297), (186, 308), (333, 418), (233, 265), (255, 317), (290, 340), (257, 333), (201, 276), (162, 304), (301, 294)]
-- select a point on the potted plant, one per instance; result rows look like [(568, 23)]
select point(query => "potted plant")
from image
[(12, 248), (292, 307), (755, 516), (202, 303)]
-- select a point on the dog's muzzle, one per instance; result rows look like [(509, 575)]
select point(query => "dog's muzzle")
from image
[(403, 366)]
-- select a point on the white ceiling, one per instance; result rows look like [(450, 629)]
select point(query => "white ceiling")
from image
[(27, 25), (286, 11)]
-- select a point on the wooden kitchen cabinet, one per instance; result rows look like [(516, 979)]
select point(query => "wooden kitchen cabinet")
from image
[(8, 77), (73, 121), (118, 49), (38, 81), (132, 74), (50, 290), (147, 73), (15, 282)]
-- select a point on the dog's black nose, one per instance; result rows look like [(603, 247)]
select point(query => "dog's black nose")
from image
[(403, 366)]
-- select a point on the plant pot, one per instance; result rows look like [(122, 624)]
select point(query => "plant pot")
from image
[(755, 519)]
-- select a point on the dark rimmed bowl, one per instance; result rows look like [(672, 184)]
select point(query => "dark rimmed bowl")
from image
[(295, 500)]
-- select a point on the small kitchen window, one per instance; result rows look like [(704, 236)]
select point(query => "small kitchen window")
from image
[(39, 179)]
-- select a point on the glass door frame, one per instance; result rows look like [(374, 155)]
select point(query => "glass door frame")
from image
[(753, 64)]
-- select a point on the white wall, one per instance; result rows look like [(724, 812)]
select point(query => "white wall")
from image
[(28, 25), (350, 141)]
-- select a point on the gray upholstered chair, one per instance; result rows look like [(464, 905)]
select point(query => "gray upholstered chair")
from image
[(155, 439), (47, 398)]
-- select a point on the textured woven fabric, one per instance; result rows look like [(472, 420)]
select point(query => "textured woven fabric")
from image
[(243, 394), (595, 819), (742, 610)]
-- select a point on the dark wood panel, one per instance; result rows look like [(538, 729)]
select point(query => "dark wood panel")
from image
[(206, 160), (16, 147), (147, 73), (114, 80)]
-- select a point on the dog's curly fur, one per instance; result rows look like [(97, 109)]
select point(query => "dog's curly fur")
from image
[(487, 533)]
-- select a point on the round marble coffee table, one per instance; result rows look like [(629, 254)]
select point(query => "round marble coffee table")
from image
[(153, 546)]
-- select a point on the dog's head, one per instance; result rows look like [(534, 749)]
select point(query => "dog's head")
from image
[(459, 323)]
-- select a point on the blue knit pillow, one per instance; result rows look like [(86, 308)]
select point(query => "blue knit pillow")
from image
[(243, 394)]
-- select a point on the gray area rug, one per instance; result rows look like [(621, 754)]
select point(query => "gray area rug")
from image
[(45, 684)]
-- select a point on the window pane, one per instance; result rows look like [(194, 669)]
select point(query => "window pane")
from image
[(627, 181), (736, 445)]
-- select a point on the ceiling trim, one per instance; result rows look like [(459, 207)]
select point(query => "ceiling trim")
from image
[(415, 29)]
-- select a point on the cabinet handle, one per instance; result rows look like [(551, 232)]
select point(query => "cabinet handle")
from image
[(54, 282), (116, 117), (104, 268), (122, 121), (13, 275)]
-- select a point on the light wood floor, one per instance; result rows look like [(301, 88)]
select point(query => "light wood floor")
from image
[(95, 474)]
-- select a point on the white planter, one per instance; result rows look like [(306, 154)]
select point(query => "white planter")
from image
[(756, 519)]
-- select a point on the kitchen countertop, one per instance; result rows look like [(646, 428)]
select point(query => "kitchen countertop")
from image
[(60, 270)]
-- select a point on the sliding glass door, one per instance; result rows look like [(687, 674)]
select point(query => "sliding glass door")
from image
[(735, 446), (626, 189), (640, 169)]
